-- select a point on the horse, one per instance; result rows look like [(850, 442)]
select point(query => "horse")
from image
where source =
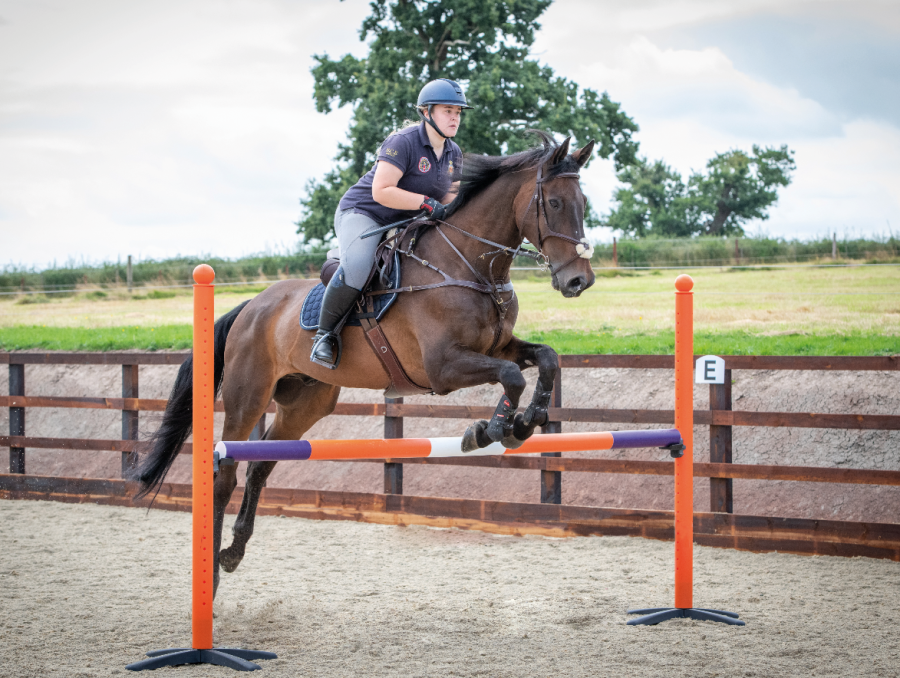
[(448, 335)]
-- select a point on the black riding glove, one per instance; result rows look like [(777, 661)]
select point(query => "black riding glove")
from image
[(435, 209)]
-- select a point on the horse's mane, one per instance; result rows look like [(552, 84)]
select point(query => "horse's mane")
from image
[(480, 171)]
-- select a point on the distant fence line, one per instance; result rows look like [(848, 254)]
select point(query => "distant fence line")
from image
[(645, 254), (71, 290)]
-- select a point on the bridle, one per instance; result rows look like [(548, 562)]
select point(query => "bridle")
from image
[(583, 249)]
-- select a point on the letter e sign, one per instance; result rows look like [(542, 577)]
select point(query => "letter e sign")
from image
[(710, 370)]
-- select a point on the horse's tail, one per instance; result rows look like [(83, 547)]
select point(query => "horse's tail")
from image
[(176, 425)]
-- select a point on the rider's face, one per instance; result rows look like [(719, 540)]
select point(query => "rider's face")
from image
[(447, 118)]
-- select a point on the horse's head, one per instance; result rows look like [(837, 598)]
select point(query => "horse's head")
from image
[(551, 216)]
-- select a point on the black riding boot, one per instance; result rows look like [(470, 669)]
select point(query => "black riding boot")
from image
[(338, 299)]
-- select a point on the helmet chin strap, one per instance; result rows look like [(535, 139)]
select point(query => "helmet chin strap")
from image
[(430, 120)]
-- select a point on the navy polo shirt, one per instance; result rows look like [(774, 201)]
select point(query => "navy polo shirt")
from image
[(411, 151)]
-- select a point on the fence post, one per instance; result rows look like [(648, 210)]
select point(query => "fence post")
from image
[(551, 481), (737, 251), (129, 275), (129, 417), (615, 253), (16, 417), (721, 498), (393, 428), (834, 245)]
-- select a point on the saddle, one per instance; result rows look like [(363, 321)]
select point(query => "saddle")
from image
[(373, 304), (309, 313)]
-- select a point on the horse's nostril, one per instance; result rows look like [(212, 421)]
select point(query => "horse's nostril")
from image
[(576, 284)]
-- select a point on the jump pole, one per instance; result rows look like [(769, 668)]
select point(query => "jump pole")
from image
[(684, 474), (201, 650)]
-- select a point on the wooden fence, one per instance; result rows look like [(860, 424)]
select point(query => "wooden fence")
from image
[(717, 527)]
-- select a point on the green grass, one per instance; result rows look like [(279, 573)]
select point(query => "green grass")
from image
[(21, 337), (717, 343), (805, 311), (564, 341)]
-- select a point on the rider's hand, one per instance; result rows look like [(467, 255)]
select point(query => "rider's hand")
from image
[(435, 209)]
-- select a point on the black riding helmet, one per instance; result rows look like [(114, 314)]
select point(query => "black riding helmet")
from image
[(440, 92)]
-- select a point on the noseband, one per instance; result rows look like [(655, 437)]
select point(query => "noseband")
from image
[(583, 249)]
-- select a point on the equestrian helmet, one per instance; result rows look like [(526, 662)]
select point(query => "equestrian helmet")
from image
[(442, 91)]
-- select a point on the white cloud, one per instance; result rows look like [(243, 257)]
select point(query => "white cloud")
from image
[(164, 128), (693, 102)]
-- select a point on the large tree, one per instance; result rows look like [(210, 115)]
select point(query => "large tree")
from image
[(736, 187), (483, 44), (651, 202)]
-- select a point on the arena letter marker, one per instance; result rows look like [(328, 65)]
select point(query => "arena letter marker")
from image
[(202, 651), (684, 474)]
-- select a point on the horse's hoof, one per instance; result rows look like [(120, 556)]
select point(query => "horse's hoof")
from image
[(229, 559), (510, 442), (475, 437)]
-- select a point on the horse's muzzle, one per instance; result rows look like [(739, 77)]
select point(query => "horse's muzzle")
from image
[(574, 286)]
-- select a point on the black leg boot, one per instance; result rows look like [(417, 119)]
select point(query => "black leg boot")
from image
[(337, 301)]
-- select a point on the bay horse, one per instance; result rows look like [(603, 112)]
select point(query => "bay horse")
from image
[(446, 336)]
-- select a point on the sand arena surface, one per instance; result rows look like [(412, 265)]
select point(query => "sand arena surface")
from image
[(88, 589)]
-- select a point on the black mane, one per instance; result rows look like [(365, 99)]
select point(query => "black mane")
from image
[(480, 171)]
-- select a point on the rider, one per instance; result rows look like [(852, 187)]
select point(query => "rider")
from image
[(415, 170)]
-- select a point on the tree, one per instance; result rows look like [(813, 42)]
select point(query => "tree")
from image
[(652, 203), (737, 187), (740, 187), (484, 45)]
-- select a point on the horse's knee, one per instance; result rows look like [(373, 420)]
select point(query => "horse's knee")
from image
[(513, 381)]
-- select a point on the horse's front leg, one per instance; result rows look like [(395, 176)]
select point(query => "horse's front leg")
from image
[(461, 368), (525, 354)]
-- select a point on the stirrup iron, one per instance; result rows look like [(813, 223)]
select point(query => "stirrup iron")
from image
[(336, 349)]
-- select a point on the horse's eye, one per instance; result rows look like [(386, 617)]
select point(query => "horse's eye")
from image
[(554, 203)]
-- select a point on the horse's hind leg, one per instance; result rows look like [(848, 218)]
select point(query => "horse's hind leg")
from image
[(247, 390), (257, 473), (301, 403)]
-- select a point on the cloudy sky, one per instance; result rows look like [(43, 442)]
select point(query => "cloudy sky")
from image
[(163, 128)]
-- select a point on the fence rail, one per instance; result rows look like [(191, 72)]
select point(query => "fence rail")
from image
[(881, 540)]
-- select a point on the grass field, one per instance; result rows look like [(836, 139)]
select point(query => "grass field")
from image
[(804, 311)]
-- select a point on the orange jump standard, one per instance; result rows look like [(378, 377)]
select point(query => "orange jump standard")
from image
[(684, 474)]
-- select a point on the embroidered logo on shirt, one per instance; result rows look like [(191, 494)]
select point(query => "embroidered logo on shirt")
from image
[(451, 167), (391, 152), (424, 165)]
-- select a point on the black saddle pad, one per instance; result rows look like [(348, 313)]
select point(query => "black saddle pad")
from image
[(309, 313)]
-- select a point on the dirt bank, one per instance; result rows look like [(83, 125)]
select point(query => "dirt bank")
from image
[(841, 392), (89, 589)]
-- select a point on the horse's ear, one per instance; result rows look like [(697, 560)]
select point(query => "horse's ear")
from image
[(561, 151), (582, 155)]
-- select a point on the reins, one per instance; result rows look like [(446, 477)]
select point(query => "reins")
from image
[(485, 285)]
